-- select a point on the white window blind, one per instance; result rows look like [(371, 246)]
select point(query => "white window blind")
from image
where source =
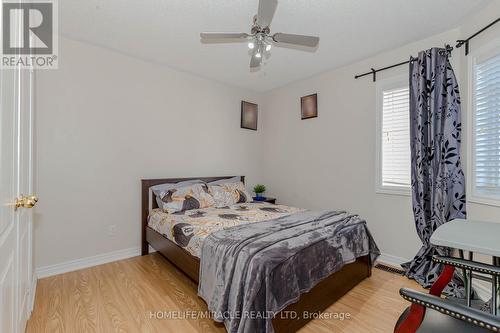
[(396, 137), (486, 128)]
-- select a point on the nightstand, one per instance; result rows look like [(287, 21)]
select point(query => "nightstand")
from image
[(268, 200)]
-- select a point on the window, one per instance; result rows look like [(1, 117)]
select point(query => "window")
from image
[(486, 126), (393, 136)]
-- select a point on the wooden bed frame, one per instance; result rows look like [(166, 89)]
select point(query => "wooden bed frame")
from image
[(316, 300)]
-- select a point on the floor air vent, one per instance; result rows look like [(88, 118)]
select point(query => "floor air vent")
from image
[(390, 269)]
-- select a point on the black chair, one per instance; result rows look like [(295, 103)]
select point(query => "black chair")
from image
[(445, 316), (430, 313)]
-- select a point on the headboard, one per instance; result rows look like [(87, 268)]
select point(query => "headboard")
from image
[(147, 199)]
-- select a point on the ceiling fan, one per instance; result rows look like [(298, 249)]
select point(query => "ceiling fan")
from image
[(260, 39)]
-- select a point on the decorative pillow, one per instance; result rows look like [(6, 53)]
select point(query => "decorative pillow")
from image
[(228, 194), (157, 189), (195, 196)]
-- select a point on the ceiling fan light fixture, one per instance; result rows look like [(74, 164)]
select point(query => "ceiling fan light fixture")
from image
[(260, 41)]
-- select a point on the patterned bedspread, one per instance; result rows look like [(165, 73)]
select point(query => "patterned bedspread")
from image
[(189, 228)]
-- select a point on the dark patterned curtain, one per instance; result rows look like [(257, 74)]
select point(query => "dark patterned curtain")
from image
[(437, 180)]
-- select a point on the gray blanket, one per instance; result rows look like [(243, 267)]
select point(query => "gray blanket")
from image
[(252, 271)]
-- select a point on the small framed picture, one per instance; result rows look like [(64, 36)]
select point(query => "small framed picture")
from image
[(309, 106), (249, 114)]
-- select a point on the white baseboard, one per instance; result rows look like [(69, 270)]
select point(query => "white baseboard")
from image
[(391, 260), (99, 259)]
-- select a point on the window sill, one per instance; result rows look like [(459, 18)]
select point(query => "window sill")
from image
[(476, 199), (406, 192)]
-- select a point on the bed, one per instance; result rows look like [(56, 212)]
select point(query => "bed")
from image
[(185, 254)]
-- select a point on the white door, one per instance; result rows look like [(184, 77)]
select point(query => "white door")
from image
[(24, 215), (8, 225), (16, 183)]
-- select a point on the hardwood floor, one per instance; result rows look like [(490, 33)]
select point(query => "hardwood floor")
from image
[(125, 296)]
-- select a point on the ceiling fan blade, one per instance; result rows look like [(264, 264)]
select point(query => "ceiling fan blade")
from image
[(309, 41), (266, 12), (223, 35), (255, 61)]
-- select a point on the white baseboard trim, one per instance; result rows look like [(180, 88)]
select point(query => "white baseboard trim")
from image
[(391, 260), (74, 265)]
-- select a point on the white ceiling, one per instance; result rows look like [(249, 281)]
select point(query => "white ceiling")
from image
[(167, 32)]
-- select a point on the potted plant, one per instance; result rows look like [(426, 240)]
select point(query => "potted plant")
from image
[(259, 189)]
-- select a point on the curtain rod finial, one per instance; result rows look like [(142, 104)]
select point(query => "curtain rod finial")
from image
[(447, 50)]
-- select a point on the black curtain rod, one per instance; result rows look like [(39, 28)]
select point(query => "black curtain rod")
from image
[(374, 72), (465, 42), (460, 42)]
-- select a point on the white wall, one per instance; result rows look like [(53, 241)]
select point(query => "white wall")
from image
[(105, 121), (329, 161)]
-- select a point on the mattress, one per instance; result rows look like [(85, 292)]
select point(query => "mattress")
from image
[(189, 228)]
